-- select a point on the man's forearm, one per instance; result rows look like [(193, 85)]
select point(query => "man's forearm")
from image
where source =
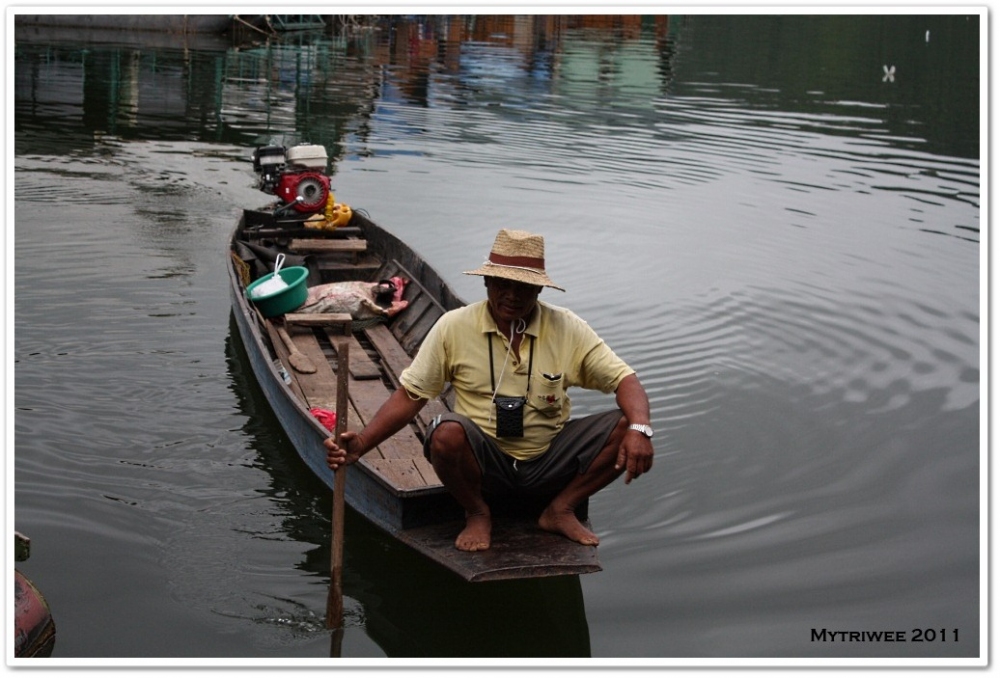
[(632, 400)]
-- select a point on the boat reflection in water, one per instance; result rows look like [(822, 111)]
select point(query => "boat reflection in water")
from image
[(411, 605), (407, 604)]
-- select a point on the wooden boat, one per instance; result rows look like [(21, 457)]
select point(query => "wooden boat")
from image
[(394, 486)]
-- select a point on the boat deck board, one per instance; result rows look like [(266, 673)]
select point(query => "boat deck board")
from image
[(318, 389), (358, 362), (398, 461), (367, 397), (518, 549), (404, 474)]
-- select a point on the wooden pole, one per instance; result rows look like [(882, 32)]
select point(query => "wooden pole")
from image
[(335, 599)]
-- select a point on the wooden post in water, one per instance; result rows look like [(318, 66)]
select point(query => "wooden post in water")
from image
[(335, 599)]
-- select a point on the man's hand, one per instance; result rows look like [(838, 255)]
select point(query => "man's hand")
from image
[(337, 456), (395, 413), (635, 455)]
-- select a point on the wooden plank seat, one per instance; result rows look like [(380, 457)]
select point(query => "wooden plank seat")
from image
[(360, 267), (328, 246), (341, 320)]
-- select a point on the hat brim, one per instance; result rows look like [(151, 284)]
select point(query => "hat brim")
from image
[(528, 277)]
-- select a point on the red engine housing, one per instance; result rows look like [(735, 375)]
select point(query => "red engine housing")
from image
[(312, 187)]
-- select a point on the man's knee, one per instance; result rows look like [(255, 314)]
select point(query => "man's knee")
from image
[(618, 432), (448, 440)]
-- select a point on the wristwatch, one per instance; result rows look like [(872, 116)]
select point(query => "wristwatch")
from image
[(644, 429)]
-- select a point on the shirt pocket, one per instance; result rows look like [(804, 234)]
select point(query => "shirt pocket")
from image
[(547, 394)]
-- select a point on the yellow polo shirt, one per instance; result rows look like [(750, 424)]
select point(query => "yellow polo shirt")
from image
[(567, 352)]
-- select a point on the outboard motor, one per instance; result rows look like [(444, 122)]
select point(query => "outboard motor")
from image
[(296, 175)]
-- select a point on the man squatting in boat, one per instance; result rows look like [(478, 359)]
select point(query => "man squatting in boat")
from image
[(510, 360)]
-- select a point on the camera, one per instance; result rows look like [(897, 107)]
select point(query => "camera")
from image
[(510, 416)]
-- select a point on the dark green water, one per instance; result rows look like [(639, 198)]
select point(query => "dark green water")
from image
[(783, 241)]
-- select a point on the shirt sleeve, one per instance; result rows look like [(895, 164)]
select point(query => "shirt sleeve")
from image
[(603, 370), (599, 368), (426, 376)]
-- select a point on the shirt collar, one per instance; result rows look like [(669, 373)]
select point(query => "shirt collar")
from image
[(487, 324)]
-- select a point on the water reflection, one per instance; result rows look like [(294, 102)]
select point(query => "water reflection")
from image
[(405, 603), (325, 89)]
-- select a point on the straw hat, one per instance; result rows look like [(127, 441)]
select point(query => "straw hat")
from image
[(517, 255)]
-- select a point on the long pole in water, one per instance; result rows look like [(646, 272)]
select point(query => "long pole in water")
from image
[(335, 599)]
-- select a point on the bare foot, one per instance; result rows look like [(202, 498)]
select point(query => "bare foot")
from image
[(568, 525), (476, 535)]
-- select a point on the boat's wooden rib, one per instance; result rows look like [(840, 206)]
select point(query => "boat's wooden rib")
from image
[(394, 486)]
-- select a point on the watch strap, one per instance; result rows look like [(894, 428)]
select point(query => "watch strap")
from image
[(644, 429)]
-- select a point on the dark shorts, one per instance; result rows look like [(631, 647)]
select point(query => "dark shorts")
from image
[(570, 454)]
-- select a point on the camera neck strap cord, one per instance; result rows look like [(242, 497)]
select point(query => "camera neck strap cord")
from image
[(531, 357)]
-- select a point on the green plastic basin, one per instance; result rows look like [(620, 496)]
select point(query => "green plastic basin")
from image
[(284, 300)]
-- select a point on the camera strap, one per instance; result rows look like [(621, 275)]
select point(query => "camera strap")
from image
[(531, 359)]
